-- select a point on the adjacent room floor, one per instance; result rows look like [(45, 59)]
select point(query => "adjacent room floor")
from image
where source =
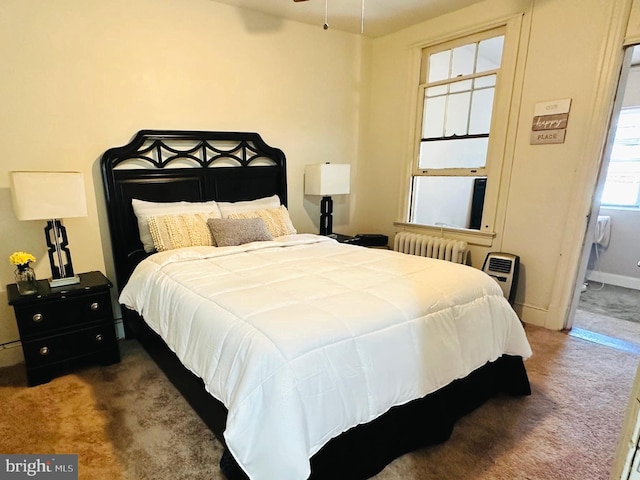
[(609, 314)]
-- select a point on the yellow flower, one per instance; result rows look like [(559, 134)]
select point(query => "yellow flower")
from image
[(21, 258)]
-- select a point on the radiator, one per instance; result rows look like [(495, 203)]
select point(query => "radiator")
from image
[(455, 251)]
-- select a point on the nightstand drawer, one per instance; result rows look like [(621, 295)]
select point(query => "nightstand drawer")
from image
[(49, 316), (56, 348)]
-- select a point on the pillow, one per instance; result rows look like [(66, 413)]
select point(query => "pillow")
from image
[(144, 209), (227, 208), (276, 219), (236, 231), (182, 230)]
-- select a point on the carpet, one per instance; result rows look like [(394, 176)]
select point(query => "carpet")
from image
[(611, 301), (608, 325), (126, 421)]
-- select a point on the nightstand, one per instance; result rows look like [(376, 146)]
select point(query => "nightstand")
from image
[(66, 326), (363, 240), (341, 238)]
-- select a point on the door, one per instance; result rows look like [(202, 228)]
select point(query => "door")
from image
[(604, 164)]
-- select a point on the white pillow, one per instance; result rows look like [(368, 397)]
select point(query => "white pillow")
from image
[(277, 220), (227, 208), (144, 209)]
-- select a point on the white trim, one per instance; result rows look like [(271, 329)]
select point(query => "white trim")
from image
[(531, 315), (614, 279)]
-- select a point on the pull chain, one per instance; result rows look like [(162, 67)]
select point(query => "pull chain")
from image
[(326, 14)]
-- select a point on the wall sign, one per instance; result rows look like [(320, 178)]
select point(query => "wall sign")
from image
[(550, 122)]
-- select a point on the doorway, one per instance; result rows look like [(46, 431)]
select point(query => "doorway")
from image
[(607, 307)]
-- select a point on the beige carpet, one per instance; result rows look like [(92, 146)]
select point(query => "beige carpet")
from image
[(608, 325), (127, 422)]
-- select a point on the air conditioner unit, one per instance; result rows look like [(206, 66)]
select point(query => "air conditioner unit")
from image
[(503, 267)]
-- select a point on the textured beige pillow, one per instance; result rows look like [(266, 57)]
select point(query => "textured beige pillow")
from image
[(143, 209), (237, 231), (182, 230), (277, 220)]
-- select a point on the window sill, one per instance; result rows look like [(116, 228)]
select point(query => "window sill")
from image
[(620, 207), (472, 237)]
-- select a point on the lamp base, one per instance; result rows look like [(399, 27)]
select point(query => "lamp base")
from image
[(62, 282), (326, 215)]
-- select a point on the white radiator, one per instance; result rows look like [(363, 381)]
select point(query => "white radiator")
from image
[(434, 247)]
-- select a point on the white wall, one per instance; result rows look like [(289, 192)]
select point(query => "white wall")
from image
[(571, 51), (78, 77)]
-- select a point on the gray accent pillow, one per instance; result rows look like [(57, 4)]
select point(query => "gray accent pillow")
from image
[(235, 231)]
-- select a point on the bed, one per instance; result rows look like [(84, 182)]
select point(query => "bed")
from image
[(306, 357)]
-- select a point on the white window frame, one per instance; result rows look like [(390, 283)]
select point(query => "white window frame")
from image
[(502, 131)]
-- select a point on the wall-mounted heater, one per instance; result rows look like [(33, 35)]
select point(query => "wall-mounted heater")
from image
[(503, 267)]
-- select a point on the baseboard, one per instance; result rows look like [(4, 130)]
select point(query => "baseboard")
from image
[(532, 315), (119, 329), (11, 354), (613, 279)]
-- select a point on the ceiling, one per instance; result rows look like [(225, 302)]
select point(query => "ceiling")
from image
[(381, 17)]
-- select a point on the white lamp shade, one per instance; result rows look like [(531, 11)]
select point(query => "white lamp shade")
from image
[(48, 195), (327, 179)]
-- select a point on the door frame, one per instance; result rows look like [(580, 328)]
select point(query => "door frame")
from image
[(599, 186)]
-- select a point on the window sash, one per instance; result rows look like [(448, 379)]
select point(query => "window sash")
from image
[(479, 80)]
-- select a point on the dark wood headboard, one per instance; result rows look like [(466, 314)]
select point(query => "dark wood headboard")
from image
[(175, 165)]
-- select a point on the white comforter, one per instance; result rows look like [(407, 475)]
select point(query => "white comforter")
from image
[(303, 338)]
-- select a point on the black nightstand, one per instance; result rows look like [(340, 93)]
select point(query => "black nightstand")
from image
[(65, 326), (366, 240), (341, 238)]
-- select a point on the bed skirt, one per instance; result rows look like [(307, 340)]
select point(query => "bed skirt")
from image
[(365, 450)]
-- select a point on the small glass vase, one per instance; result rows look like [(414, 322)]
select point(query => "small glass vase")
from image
[(26, 280)]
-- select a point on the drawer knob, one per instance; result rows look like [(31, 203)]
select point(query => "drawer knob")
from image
[(38, 317), (44, 351), (99, 337), (95, 306)]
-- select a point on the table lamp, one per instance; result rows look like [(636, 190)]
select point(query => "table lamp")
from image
[(327, 179), (51, 196)]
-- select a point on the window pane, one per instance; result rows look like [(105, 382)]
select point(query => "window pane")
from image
[(433, 122), (486, 81), (457, 114), (439, 66), (622, 185), (464, 59), (463, 86), (481, 109), (435, 91), (458, 153), (448, 201), (490, 54)]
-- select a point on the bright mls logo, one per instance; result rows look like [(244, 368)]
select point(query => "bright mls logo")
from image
[(51, 467)]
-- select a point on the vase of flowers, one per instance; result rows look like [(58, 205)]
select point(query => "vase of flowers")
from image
[(25, 275)]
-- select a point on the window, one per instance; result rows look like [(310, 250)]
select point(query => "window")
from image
[(450, 177), (622, 185)]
